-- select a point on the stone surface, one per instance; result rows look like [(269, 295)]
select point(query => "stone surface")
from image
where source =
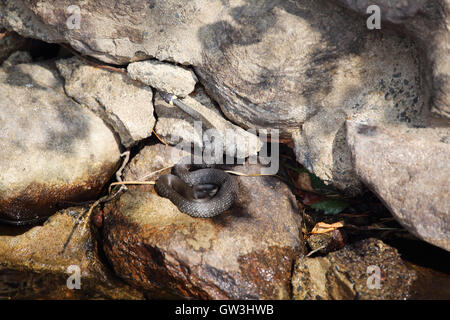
[(427, 22), (46, 252), (408, 169), (10, 42), (244, 253), (53, 150), (343, 274), (371, 87), (177, 127), (163, 76), (125, 105)]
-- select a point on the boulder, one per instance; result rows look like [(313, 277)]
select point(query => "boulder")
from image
[(54, 151), (125, 105), (427, 22), (245, 253), (408, 169)]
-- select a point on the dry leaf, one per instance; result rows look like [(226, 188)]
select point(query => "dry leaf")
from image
[(322, 227), (303, 182)]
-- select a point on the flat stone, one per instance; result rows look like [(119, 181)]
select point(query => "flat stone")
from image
[(125, 105), (244, 253), (408, 169), (163, 76), (53, 150)]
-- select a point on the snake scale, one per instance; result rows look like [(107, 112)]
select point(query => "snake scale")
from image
[(203, 193)]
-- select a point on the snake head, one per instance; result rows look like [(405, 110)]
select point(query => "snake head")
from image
[(168, 97)]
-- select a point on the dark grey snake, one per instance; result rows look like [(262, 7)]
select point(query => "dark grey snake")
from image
[(202, 193)]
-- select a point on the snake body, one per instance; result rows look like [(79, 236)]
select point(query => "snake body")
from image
[(203, 193)]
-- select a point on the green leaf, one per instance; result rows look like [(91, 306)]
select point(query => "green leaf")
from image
[(330, 206)]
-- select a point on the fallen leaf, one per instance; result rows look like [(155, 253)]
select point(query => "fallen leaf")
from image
[(322, 227), (310, 198), (303, 182)]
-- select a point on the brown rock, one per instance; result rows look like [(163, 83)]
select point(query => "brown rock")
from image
[(244, 253), (45, 253), (408, 169), (344, 274)]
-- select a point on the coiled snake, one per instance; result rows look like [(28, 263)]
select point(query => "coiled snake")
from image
[(203, 193)]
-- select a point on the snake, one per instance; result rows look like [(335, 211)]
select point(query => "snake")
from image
[(202, 193)]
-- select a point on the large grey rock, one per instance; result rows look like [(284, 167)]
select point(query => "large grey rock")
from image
[(427, 22), (115, 31), (246, 252), (125, 105), (177, 127), (163, 76), (409, 171), (53, 149), (381, 90)]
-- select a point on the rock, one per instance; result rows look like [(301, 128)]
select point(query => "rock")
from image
[(177, 127), (17, 57), (427, 22), (125, 105), (9, 43), (332, 72), (327, 242), (117, 32), (163, 76), (244, 253), (384, 96), (344, 274), (45, 252), (54, 151), (408, 169), (243, 54)]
